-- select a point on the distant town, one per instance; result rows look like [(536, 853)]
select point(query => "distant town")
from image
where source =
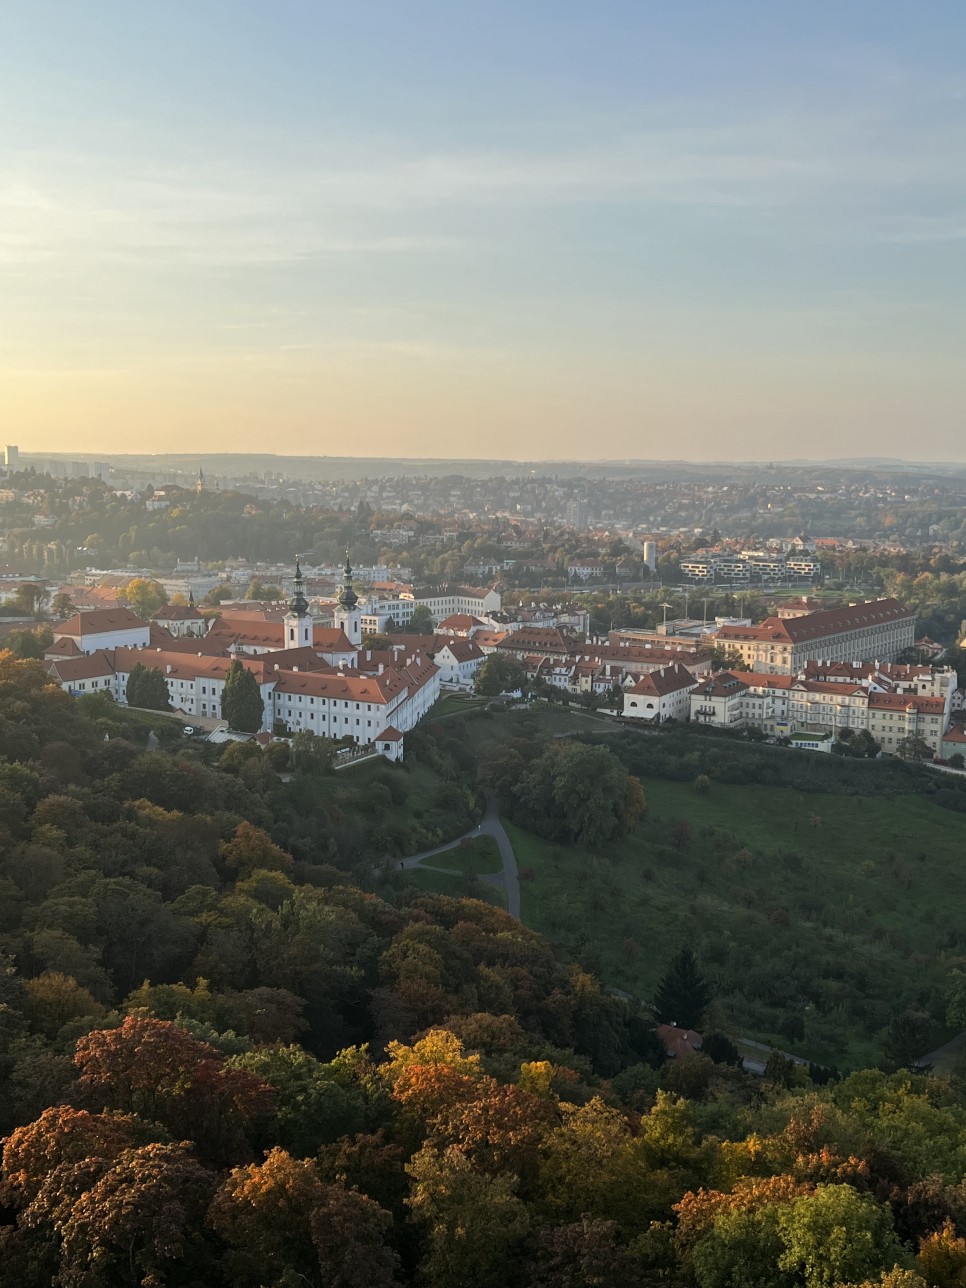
[(353, 603)]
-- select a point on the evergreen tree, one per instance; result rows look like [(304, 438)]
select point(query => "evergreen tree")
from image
[(241, 702), (146, 687), (683, 994)]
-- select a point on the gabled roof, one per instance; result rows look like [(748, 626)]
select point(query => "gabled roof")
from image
[(95, 666), (536, 639), (460, 622), (669, 679), (816, 626), (63, 648), (906, 702), (679, 1042), (462, 650), (99, 621), (177, 613)]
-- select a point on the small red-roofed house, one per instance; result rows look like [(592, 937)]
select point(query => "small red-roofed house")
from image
[(679, 1043)]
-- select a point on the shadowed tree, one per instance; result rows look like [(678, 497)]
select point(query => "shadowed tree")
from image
[(683, 994), (241, 700), (284, 1226)]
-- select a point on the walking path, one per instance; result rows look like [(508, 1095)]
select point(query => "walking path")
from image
[(489, 826)]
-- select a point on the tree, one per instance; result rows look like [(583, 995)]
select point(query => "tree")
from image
[(913, 747), (499, 674), (284, 1226), (475, 1224), (586, 1254), (683, 994), (258, 589), (312, 1108), (159, 1070), (908, 1036), (957, 761), (252, 850), (61, 606), (836, 1236), (241, 700), (728, 659), (143, 596), (30, 599), (421, 622), (30, 643), (139, 1220), (578, 793), (147, 688), (312, 753)]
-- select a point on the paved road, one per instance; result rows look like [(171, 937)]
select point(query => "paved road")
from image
[(490, 826)]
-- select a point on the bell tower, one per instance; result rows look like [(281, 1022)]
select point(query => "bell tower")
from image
[(298, 623), (348, 615)]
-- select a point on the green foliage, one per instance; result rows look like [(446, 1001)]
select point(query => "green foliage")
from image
[(191, 957), (569, 792), (421, 622), (143, 596), (683, 994), (312, 753), (241, 700), (500, 673), (835, 1236), (147, 689)]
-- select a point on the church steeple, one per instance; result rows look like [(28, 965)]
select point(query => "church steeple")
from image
[(348, 615), (298, 604), (348, 597), (298, 622)]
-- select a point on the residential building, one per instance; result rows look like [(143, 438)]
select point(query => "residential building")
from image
[(878, 630), (661, 695), (181, 620), (106, 628)]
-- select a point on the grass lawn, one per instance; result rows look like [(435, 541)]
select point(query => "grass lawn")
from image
[(478, 857), (459, 885), (816, 915), (454, 704)]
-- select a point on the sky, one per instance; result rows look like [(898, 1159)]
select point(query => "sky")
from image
[(534, 229)]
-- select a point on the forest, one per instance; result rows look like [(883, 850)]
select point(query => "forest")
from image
[(232, 1054)]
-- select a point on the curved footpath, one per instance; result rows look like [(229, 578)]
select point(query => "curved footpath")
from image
[(489, 826)]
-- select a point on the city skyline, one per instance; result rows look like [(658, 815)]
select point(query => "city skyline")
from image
[(549, 235)]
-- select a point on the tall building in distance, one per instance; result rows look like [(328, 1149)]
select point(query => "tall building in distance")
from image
[(578, 513), (650, 555), (13, 457)]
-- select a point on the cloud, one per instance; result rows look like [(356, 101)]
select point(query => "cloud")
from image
[(326, 203)]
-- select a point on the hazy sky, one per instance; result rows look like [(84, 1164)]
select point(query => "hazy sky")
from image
[(538, 228)]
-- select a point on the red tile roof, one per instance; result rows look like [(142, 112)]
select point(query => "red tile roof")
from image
[(817, 626), (670, 679), (101, 620)]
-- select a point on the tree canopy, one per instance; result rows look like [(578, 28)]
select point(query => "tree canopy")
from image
[(241, 700)]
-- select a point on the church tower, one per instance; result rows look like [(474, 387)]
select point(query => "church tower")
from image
[(200, 481), (298, 623), (348, 615)]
